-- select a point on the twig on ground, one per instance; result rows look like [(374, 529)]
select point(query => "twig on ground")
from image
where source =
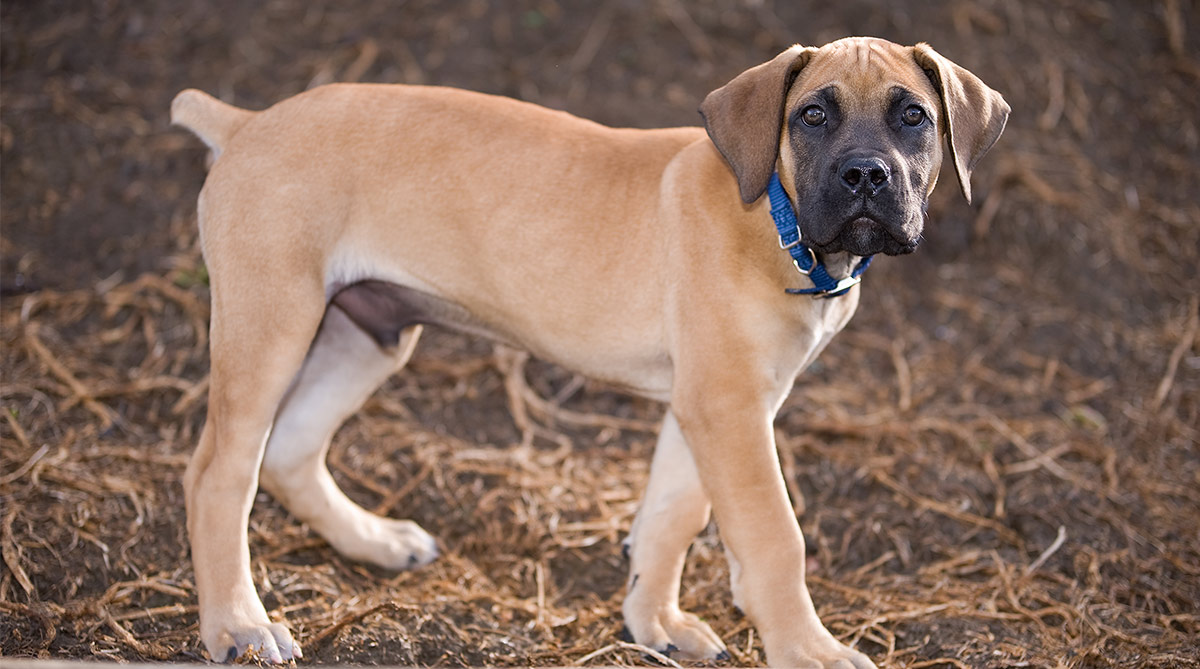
[(79, 391), (947, 510), (1185, 343), (29, 464), (1050, 550), (12, 554), (624, 645)]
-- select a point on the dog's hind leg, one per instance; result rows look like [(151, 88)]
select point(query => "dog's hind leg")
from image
[(674, 510), (263, 320), (344, 366)]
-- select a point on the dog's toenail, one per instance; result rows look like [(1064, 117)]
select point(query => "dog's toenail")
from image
[(625, 551), (723, 656), (231, 655), (671, 648), (412, 560), (624, 635)]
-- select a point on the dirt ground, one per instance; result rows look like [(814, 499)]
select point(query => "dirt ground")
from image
[(995, 465)]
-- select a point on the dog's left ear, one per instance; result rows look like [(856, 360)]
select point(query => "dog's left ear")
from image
[(974, 114), (744, 118)]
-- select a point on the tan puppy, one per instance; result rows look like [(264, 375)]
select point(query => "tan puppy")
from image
[(337, 222)]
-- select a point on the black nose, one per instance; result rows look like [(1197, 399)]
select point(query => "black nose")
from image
[(865, 176)]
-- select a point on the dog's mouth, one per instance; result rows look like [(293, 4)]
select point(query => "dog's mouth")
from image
[(864, 235)]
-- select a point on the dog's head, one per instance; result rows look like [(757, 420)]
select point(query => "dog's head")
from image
[(854, 129)]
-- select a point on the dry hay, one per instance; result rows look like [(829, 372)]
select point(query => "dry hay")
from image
[(944, 528), (996, 465)]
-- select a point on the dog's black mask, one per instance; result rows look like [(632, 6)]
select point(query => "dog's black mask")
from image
[(862, 178)]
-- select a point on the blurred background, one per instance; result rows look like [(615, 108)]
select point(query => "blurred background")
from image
[(996, 464)]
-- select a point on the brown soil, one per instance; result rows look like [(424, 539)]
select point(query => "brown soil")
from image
[(996, 464)]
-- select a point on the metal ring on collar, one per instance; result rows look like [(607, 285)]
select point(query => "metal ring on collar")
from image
[(812, 262)]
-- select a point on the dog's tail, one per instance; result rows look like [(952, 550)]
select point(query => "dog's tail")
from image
[(211, 120)]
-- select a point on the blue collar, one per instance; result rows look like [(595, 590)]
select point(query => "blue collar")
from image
[(803, 258)]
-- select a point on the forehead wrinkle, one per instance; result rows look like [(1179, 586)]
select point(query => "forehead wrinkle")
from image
[(862, 70)]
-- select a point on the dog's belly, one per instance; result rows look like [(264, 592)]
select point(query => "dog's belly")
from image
[(383, 309)]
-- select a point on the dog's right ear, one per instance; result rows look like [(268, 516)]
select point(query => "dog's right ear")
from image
[(975, 115), (744, 118)]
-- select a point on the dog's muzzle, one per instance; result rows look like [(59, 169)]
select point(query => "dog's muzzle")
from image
[(866, 210), (864, 236)]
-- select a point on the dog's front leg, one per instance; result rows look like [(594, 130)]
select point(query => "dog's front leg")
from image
[(725, 410), (674, 509)]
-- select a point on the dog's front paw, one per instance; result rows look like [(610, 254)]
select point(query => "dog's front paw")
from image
[(675, 633), (263, 641), (827, 654)]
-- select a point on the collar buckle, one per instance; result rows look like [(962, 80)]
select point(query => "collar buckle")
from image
[(840, 288)]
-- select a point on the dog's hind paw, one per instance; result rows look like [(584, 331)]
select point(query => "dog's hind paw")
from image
[(389, 543), (411, 546)]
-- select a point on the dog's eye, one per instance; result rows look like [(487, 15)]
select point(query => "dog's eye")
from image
[(813, 116), (913, 116)]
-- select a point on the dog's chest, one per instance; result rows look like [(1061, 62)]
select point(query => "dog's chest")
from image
[(819, 321)]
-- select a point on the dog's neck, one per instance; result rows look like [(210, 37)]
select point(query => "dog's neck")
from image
[(839, 265), (828, 280)]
